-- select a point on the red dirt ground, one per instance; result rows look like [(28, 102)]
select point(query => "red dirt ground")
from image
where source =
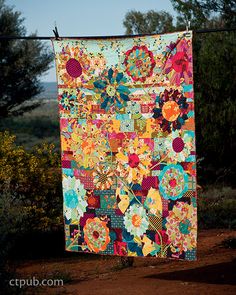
[(213, 273)]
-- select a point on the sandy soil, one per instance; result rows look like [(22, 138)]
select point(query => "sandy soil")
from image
[(213, 273)]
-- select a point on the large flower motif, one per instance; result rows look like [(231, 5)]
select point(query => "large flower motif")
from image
[(74, 198), (103, 177), (171, 110), (96, 234), (68, 102), (179, 146), (173, 182), (112, 89), (133, 160), (88, 143), (181, 226), (139, 63), (136, 220), (73, 65), (178, 66)]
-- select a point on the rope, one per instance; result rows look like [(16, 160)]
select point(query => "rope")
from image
[(203, 31)]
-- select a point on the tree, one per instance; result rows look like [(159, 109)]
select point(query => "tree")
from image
[(205, 13), (226, 8), (215, 104), (22, 63), (190, 11), (151, 22)]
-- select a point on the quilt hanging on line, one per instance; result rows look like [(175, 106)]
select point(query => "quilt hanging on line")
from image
[(128, 145)]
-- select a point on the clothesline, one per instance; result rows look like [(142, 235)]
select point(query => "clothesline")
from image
[(202, 31)]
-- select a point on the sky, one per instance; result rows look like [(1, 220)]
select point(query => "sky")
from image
[(80, 17)]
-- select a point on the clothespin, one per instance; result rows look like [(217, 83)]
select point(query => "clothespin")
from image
[(187, 27), (55, 31)]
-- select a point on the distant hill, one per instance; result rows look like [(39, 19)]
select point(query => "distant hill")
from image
[(49, 92)]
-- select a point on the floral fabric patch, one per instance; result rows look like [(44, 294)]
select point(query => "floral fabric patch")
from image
[(128, 145)]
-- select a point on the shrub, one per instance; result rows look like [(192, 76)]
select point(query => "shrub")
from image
[(217, 208), (34, 178), (30, 195)]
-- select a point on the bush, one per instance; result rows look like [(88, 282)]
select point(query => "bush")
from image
[(31, 197), (217, 208), (34, 178), (12, 215)]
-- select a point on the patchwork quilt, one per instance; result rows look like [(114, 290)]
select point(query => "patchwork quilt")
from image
[(126, 108)]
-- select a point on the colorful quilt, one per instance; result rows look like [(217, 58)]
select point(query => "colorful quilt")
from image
[(128, 145)]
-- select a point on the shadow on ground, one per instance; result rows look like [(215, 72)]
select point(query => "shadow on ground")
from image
[(221, 273)]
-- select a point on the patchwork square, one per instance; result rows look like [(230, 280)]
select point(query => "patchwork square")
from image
[(155, 223), (108, 201), (127, 125)]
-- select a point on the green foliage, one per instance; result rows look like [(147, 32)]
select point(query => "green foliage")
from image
[(34, 127), (190, 10), (22, 62), (39, 127), (205, 13), (216, 208), (151, 22), (30, 197), (226, 8), (34, 178), (215, 85), (12, 216)]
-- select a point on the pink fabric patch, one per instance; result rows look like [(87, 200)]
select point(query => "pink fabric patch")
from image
[(73, 68), (178, 144)]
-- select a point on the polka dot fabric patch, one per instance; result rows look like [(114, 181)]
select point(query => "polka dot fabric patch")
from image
[(127, 128)]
